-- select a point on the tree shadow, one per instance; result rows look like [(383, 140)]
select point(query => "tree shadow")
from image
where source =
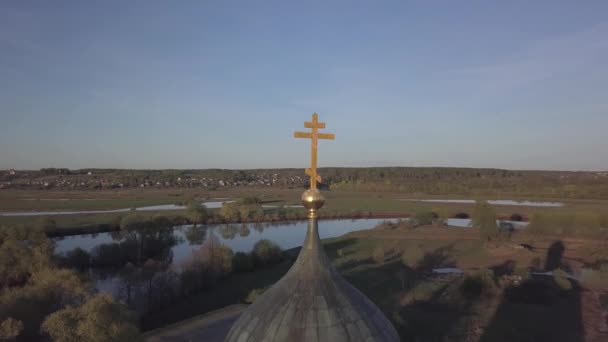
[(431, 320), (540, 308), (555, 253), (429, 313), (435, 259)]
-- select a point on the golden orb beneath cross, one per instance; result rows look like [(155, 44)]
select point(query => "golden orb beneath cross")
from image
[(312, 200)]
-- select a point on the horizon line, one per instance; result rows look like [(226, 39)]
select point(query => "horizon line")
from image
[(295, 168)]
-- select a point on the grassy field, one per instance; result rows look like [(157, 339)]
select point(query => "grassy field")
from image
[(339, 203), (428, 307)]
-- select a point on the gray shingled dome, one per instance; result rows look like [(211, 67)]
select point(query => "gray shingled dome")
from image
[(312, 302)]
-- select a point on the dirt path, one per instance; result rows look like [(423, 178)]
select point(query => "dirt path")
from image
[(211, 327)]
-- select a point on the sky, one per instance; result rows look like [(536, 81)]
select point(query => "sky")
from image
[(224, 84)]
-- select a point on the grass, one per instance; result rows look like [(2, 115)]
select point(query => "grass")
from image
[(338, 203), (428, 307)]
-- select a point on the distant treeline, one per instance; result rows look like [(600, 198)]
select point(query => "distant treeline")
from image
[(423, 180)]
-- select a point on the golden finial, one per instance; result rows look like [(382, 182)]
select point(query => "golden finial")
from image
[(312, 198)]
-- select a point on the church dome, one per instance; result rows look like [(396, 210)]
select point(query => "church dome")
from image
[(312, 302)]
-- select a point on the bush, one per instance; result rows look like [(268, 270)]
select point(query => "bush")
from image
[(561, 280), (484, 218), (197, 212), (9, 329), (378, 255), (517, 217), (101, 318), (132, 221), (46, 224), (462, 216), (475, 285), (412, 256), (242, 262), (425, 218), (230, 212), (522, 272), (266, 253), (472, 286), (254, 294), (250, 201)]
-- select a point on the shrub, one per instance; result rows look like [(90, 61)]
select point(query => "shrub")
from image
[(46, 224), (484, 218), (517, 217), (254, 294), (487, 277), (230, 211), (476, 284), (522, 272), (561, 280), (132, 221), (412, 256), (378, 255), (10, 328), (101, 318), (462, 216), (197, 212), (425, 218), (266, 253), (441, 213), (252, 200), (245, 212), (472, 285), (242, 262)]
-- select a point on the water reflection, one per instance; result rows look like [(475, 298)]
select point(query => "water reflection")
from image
[(171, 246)]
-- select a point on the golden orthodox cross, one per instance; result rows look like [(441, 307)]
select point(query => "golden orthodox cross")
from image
[(314, 135)]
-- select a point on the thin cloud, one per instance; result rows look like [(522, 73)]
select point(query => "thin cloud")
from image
[(547, 59)]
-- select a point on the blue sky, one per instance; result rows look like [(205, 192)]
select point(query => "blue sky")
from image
[(202, 84)]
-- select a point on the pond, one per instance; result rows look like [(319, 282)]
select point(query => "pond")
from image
[(493, 202), (466, 223), (239, 237)]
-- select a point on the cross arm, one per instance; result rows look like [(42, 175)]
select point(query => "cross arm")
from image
[(309, 124), (329, 136), (302, 135)]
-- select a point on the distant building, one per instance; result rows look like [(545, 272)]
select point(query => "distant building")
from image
[(12, 172)]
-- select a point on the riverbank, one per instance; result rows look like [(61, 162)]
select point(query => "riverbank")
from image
[(178, 220)]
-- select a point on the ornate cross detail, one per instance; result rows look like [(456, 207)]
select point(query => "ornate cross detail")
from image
[(314, 135)]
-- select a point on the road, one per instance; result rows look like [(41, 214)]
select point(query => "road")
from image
[(210, 327)]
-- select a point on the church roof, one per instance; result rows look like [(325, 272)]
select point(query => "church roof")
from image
[(312, 302)]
